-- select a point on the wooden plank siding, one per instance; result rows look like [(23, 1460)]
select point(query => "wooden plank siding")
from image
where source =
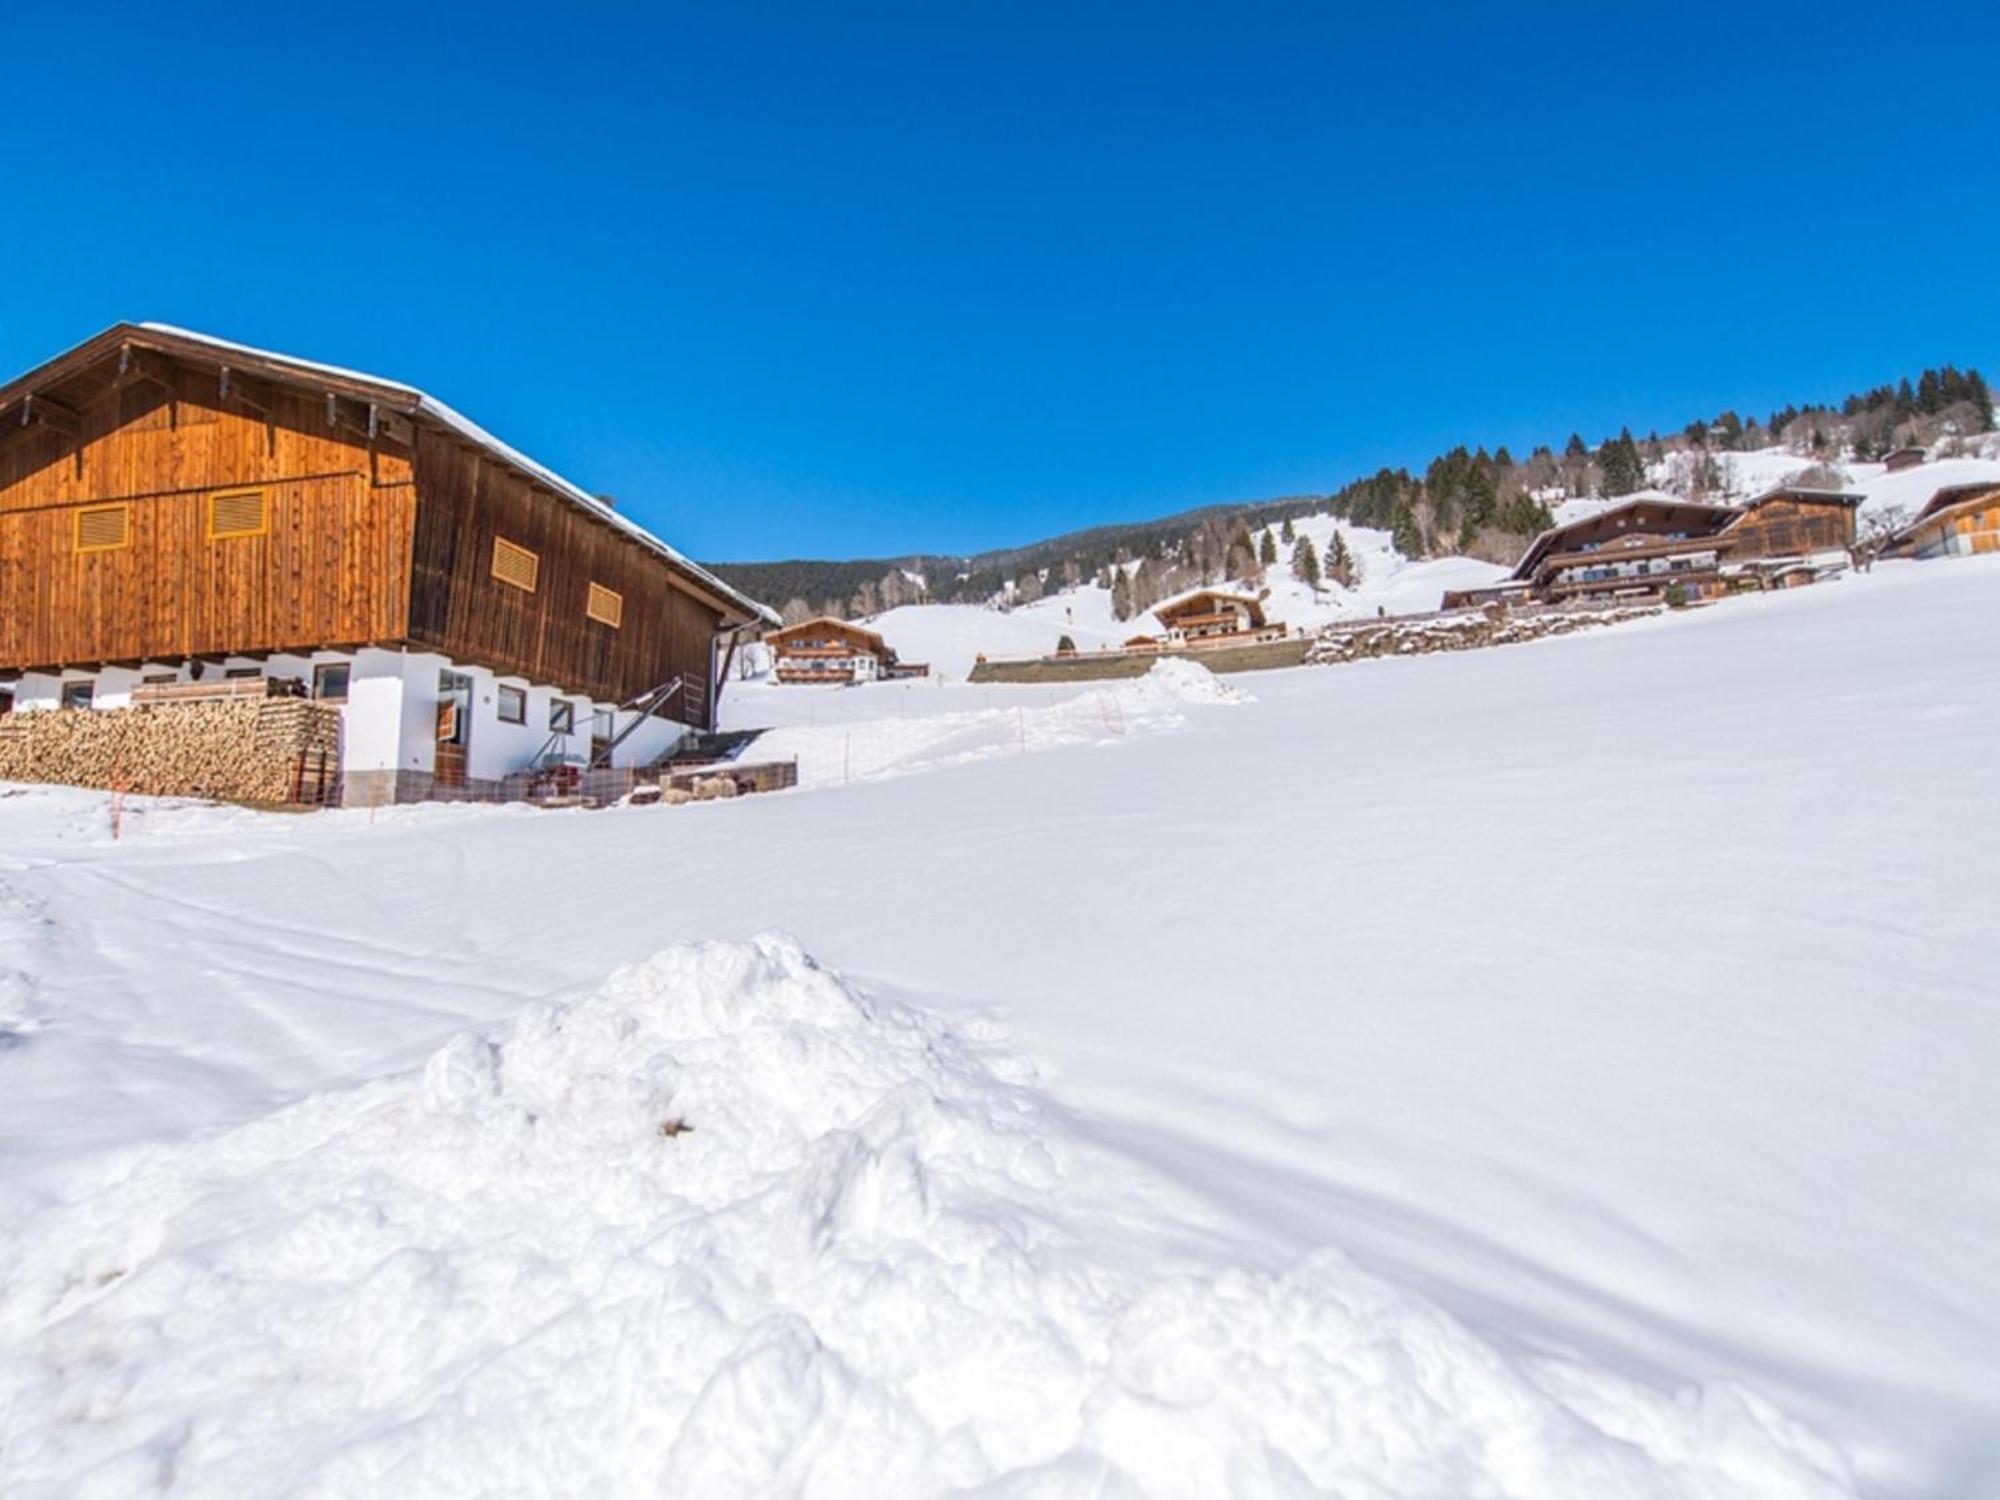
[(1784, 527), (380, 511), (330, 568), (465, 501)]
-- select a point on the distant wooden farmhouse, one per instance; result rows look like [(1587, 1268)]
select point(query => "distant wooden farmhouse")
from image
[(1215, 616), (177, 509), (1640, 548), (1898, 459), (1960, 519), (830, 651)]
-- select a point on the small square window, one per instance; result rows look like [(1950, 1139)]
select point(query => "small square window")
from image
[(243, 674), (515, 565), (238, 513), (606, 606), (103, 528), (562, 716), (78, 694), (513, 705), (6, 701), (330, 681)]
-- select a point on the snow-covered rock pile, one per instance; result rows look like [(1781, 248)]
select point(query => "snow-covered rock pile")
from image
[(1458, 632), (731, 1227)]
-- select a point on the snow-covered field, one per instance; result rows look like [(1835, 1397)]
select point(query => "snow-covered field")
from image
[(1565, 1070)]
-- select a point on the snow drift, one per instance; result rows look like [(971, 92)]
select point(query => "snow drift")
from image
[(1035, 719), (729, 1226)]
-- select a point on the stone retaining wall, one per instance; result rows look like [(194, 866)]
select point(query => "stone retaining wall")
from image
[(1098, 666), (1465, 632)]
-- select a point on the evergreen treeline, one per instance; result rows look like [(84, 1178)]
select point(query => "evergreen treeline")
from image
[(1466, 501)]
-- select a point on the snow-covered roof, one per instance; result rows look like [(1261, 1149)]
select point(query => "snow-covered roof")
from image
[(424, 404), (1232, 596)]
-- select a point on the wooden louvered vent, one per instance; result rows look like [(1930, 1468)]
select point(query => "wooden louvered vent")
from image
[(99, 528), (606, 606), (238, 513), (515, 565)]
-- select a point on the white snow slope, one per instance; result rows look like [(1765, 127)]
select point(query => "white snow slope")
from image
[(1519, 1073)]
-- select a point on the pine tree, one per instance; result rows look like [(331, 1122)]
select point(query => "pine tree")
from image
[(1065, 647), (1285, 532), (1121, 595), (1405, 534), (1305, 561), (1624, 469), (1981, 398), (1267, 549), (1576, 447), (1339, 561)]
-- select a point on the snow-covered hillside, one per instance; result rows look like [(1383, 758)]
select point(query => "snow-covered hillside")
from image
[(950, 636), (1559, 1070)]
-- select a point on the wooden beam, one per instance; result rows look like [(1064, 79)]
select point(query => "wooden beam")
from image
[(54, 413), (147, 364), (247, 389)]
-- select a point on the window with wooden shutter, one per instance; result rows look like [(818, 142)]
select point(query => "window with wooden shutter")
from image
[(515, 565), (100, 528), (237, 513), (606, 606)]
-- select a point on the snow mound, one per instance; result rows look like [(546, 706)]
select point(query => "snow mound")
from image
[(731, 1226), (1175, 679)]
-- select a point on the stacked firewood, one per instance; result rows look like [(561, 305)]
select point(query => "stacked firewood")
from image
[(239, 748)]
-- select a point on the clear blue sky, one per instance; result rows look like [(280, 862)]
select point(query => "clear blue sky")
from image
[(832, 281)]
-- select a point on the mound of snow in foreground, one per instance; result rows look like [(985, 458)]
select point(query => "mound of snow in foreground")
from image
[(877, 1262)]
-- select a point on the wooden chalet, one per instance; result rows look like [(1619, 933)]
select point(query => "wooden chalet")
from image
[(1896, 460), (1645, 545), (175, 508), (1959, 520), (830, 651), (1215, 617)]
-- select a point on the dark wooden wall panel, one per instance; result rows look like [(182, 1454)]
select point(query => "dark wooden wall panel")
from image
[(457, 606), (1779, 528)]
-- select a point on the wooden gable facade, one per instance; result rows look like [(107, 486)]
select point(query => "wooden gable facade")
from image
[(167, 497)]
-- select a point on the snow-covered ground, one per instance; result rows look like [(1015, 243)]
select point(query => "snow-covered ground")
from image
[(1524, 1072)]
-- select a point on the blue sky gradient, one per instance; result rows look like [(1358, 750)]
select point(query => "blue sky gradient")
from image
[(857, 282)]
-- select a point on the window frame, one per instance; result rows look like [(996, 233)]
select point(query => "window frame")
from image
[(562, 716), (502, 693), (263, 527), (320, 670), (124, 510), (71, 690), (503, 548)]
